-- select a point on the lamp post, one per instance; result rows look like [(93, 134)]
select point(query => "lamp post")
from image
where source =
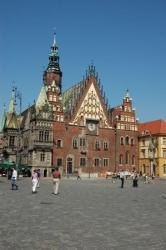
[(151, 152)]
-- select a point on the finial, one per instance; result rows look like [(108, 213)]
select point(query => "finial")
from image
[(54, 42)]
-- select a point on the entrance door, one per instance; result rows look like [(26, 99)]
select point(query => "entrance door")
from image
[(69, 165)]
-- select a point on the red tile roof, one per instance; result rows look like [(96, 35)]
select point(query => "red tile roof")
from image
[(154, 127)]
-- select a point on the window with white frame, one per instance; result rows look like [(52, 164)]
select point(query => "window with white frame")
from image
[(164, 153), (164, 140), (105, 145), (97, 162), (75, 142), (82, 141), (97, 144), (105, 162), (82, 162), (42, 157)]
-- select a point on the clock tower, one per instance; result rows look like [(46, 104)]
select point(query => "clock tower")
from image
[(53, 71), (52, 79)]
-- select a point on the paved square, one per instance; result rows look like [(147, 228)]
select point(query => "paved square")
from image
[(86, 215)]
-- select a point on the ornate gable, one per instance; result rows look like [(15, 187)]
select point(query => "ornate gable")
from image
[(86, 101), (91, 108)]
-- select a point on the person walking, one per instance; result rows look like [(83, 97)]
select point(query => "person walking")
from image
[(38, 178), (122, 176), (34, 181), (135, 180), (14, 179), (56, 180)]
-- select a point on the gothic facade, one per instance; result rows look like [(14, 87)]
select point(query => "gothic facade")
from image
[(75, 130)]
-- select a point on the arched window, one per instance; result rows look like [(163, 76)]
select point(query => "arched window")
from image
[(97, 144), (75, 142), (132, 141), (121, 140), (133, 159), (105, 145), (127, 158), (121, 159), (127, 140)]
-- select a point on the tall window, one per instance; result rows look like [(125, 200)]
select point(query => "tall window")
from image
[(164, 153), (121, 140), (75, 143), (164, 169), (105, 162), (46, 136), (59, 143), (41, 135), (127, 140), (164, 140), (11, 141), (121, 159), (97, 144), (82, 162), (133, 160), (127, 158), (105, 145), (132, 141), (42, 157), (82, 141), (59, 162), (97, 162)]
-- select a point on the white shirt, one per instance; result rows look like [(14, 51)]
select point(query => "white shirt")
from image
[(14, 174), (122, 175)]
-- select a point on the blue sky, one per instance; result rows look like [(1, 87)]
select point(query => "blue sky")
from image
[(125, 39)]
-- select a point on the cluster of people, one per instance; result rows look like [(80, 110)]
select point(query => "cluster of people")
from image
[(56, 176)]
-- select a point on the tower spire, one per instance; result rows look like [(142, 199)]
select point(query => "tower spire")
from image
[(12, 104)]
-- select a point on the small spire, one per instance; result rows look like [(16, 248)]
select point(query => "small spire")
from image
[(12, 103), (127, 94), (54, 41)]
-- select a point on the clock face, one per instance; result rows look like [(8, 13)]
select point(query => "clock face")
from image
[(91, 126)]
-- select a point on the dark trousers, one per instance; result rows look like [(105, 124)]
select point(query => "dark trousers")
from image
[(122, 182), (14, 184)]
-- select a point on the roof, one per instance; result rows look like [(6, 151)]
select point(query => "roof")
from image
[(153, 127), (71, 96)]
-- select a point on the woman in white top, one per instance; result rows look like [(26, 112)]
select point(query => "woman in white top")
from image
[(14, 179), (34, 181)]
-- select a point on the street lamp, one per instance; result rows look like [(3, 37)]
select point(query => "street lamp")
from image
[(151, 152)]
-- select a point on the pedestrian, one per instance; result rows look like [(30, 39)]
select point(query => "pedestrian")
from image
[(56, 180), (34, 181), (38, 178), (78, 175), (14, 179), (135, 180), (122, 177)]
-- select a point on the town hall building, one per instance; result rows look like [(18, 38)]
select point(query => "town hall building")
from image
[(75, 130)]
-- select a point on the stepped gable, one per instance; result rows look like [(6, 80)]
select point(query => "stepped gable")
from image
[(87, 101)]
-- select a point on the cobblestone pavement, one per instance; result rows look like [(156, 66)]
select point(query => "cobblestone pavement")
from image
[(86, 215)]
